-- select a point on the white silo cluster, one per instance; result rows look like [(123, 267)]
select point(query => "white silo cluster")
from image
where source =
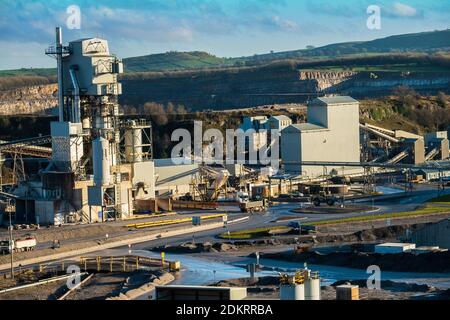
[(303, 285)]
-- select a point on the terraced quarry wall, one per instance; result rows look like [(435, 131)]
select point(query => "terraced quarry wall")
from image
[(27, 100), (236, 88), (220, 90)]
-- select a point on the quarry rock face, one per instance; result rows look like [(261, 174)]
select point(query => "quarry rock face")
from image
[(252, 88), (28, 100), (238, 89), (373, 82), (326, 79)]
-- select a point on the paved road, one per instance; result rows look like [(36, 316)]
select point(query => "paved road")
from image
[(406, 203), (120, 231), (283, 209)]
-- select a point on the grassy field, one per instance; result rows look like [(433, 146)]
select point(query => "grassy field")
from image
[(254, 233), (44, 72), (441, 200), (415, 44), (428, 209), (401, 67), (265, 232), (174, 61)]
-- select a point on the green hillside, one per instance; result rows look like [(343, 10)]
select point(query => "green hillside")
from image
[(174, 61), (425, 42), (415, 42), (39, 72)]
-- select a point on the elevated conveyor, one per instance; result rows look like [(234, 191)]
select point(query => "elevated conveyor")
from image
[(28, 147)]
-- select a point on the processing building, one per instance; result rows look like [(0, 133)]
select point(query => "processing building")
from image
[(100, 162), (174, 180), (331, 134)]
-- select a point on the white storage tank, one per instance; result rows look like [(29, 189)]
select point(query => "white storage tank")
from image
[(292, 292), (86, 123), (312, 289), (101, 161), (133, 144)]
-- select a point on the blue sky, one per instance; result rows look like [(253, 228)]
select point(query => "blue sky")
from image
[(227, 28)]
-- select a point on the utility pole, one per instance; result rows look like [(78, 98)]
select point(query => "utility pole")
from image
[(11, 240)]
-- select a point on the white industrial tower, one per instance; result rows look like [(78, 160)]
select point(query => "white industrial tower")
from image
[(99, 162)]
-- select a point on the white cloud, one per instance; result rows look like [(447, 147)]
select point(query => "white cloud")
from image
[(181, 34), (404, 10), (284, 24)]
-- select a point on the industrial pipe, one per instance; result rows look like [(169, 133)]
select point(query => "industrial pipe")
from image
[(76, 114)]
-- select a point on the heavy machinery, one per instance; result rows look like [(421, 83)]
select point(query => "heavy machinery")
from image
[(242, 196), (298, 278), (26, 244), (323, 197), (253, 206), (211, 183)]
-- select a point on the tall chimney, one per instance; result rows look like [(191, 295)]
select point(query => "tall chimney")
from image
[(59, 50)]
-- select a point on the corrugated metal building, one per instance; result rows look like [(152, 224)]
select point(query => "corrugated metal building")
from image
[(331, 134), (172, 178), (433, 234)]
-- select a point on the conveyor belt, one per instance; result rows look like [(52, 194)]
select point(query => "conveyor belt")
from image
[(399, 157), (29, 147), (432, 154)]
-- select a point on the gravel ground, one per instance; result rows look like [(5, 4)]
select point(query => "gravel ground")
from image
[(49, 291), (99, 287), (268, 288)]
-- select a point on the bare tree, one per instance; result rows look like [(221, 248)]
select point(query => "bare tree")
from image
[(157, 112), (406, 95), (442, 99)]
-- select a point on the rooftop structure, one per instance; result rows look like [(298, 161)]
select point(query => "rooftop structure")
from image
[(278, 122), (331, 134)]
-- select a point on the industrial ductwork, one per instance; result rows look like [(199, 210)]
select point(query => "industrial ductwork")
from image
[(76, 114)]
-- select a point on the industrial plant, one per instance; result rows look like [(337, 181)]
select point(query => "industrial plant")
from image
[(101, 165), (92, 196)]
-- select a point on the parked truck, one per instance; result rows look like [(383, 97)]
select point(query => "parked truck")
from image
[(25, 244), (253, 206), (322, 197)]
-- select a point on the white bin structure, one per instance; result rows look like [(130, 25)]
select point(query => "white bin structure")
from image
[(292, 292), (312, 289), (304, 285)]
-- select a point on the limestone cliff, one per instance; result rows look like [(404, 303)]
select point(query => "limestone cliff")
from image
[(27, 100), (326, 79), (239, 88)]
